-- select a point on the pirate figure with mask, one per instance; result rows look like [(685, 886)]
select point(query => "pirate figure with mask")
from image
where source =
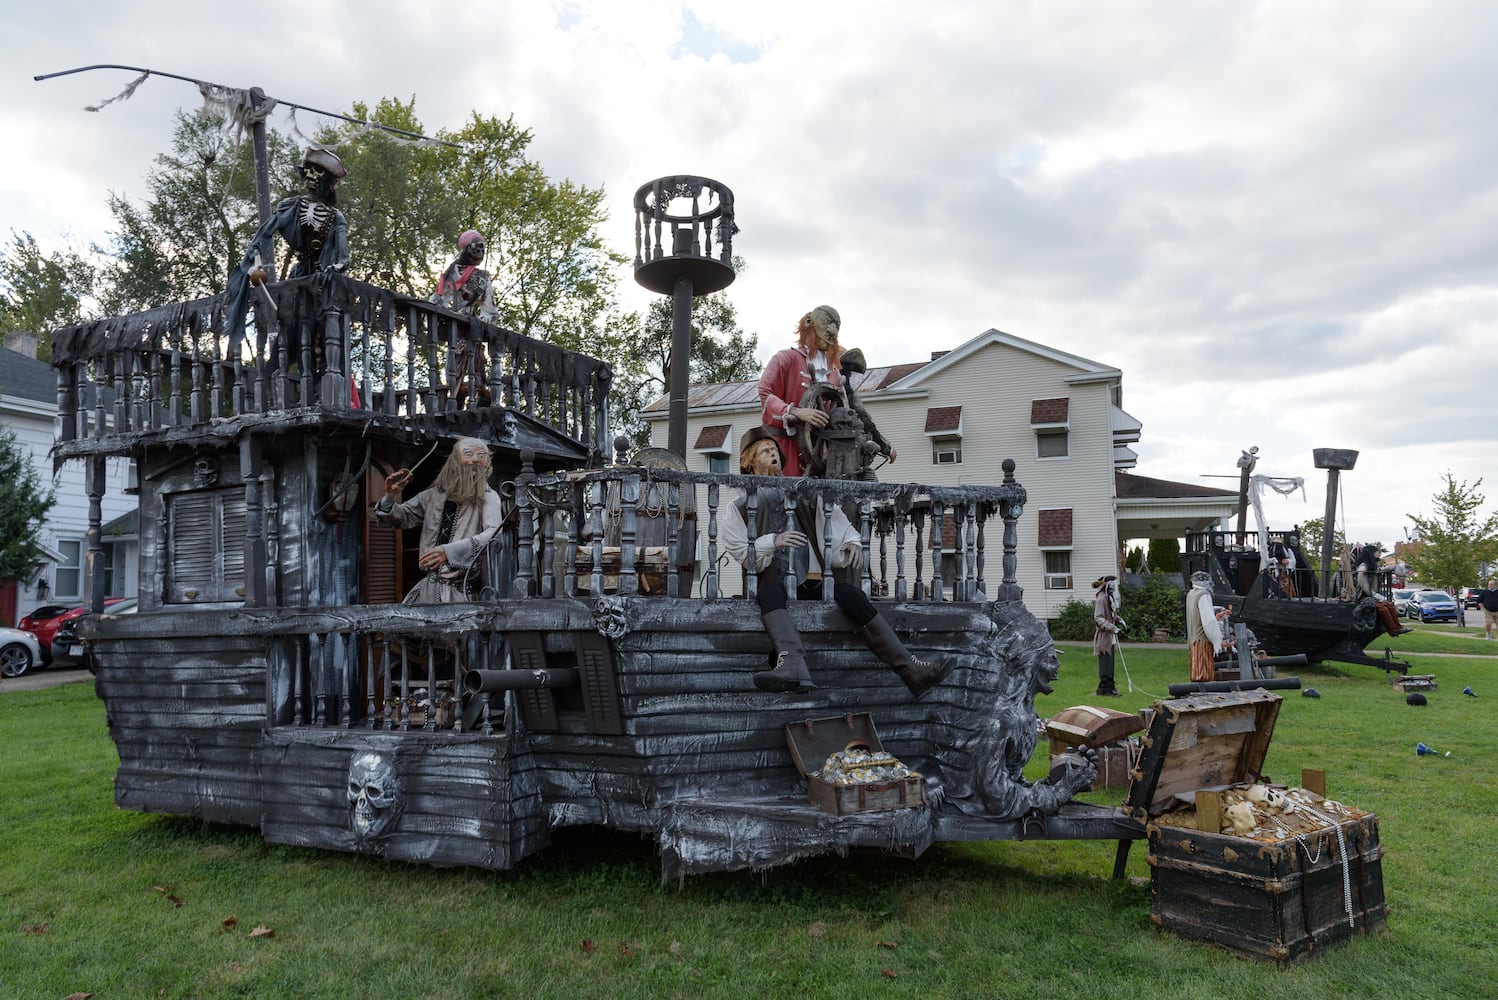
[(788, 376), (465, 288), (770, 542), (315, 232)]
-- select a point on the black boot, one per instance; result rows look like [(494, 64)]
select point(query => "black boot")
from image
[(1105, 685), (918, 675), (790, 673)]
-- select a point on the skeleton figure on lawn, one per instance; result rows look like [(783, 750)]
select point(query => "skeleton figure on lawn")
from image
[(772, 541)]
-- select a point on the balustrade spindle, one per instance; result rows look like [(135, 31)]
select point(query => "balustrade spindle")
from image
[(711, 581), (901, 515), (751, 507), (629, 500), (938, 529), (595, 584)]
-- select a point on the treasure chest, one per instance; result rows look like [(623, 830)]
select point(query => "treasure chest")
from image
[(1278, 885), (846, 768), (1107, 731)]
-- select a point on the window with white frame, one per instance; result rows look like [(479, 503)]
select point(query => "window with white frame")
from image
[(1058, 570), (1052, 442), (718, 462), (68, 581), (1050, 419), (946, 451)]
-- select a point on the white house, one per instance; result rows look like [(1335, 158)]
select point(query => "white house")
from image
[(28, 406), (953, 420)]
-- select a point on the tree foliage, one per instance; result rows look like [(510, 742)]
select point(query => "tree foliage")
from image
[(39, 291), (1311, 535), (1165, 555), (1457, 538), (24, 503), (721, 351)]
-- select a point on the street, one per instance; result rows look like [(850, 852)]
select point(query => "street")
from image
[(35, 680)]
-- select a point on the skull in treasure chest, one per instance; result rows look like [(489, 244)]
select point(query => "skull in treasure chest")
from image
[(374, 795)]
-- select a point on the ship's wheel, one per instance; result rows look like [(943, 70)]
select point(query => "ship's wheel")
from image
[(811, 441)]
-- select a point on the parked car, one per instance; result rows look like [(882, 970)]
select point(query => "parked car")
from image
[(43, 623), (1469, 597), (68, 649), (1401, 599), (19, 652), (1434, 606)]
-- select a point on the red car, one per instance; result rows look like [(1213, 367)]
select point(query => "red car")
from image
[(47, 619)]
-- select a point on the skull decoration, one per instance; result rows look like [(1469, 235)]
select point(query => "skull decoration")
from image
[(312, 176), (374, 795), (609, 618), (205, 472)]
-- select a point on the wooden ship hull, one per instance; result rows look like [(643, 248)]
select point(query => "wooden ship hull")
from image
[(598, 679)]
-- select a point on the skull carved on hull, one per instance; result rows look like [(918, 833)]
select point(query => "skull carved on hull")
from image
[(374, 795)]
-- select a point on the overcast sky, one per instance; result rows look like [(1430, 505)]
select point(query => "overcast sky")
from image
[(1280, 220)]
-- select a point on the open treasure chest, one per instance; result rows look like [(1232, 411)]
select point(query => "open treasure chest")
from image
[(1264, 870), (847, 769), (1107, 731)]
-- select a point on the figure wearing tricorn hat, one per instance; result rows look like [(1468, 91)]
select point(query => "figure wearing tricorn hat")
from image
[(466, 288), (772, 540), (313, 228)]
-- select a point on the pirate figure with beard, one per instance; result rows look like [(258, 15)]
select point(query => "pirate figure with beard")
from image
[(459, 516), (773, 540), (315, 232), (466, 288)]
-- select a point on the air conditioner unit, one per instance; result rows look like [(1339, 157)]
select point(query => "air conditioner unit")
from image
[(1058, 581)]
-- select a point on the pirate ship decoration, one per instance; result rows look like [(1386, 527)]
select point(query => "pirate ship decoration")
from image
[(1270, 586), (590, 669)]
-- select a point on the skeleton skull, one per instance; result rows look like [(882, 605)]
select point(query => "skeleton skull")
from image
[(374, 795), (312, 176)]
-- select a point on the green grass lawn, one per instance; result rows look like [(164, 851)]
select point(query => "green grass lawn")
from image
[(117, 904)]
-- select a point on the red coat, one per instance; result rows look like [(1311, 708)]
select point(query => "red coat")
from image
[(784, 381)]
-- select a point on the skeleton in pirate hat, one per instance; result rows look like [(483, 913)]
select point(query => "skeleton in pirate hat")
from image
[(467, 289)]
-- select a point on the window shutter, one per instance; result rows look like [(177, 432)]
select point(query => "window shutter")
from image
[(205, 552)]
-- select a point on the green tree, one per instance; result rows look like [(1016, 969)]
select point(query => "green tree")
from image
[(24, 503), (1135, 559), (1165, 555), (641, 353), (40, 292), (1311, 534), (1457, 538), (196, 220)]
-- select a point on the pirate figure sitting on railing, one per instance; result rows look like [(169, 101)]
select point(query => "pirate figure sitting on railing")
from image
[(800, 544), (315, 232)]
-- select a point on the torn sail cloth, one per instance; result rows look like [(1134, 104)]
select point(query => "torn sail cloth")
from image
[(462, 531), (1284, 487), (317, 236)]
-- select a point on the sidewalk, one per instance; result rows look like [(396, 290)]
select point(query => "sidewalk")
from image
[(36, 680)]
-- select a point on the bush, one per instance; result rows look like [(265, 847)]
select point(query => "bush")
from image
[(1074, 623), (1157, 604)]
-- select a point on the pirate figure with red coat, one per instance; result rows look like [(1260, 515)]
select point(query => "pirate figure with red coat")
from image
[(465, 288)]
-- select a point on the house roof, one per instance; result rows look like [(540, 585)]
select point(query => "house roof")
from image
[(747, 393), (1087, 370), (1050, 411), (1127, 486), (711, 436), (943, 418), (26, 377)]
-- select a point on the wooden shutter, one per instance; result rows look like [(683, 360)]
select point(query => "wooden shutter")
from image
[(205, 553)]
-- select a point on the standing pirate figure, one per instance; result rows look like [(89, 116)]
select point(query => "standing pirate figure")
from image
[(788, 376), (1105, 636), (315, 232), (466, 288), (459, 516)]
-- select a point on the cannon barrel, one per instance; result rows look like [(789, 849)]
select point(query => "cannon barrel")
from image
[(1268, 684), (1288, 660), (488, 681)]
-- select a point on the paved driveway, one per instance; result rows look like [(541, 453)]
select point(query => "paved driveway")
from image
[(35, 680)]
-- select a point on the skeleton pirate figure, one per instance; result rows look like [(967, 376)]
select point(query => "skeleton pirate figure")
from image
[(773, 540), (465, 288), (790, 373), (1106, 624), (873, 442), (314, 230), (459, 517)]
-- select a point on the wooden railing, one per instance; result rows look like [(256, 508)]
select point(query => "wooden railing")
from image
[(333, 344)]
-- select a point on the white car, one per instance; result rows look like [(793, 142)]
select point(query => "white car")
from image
[(19, 652)]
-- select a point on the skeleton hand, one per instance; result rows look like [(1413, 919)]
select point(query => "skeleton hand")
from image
[(397, 481)]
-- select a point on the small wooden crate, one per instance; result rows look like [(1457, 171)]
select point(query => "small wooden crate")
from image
[(1281, 900), (812, 741)]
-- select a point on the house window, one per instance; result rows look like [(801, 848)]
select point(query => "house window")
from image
[(205, 546), (69, 578), (946, 451), (1052, 442), (1058, 570), (718, 462)]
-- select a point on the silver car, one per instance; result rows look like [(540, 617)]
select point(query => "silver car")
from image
[(19, 652)]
